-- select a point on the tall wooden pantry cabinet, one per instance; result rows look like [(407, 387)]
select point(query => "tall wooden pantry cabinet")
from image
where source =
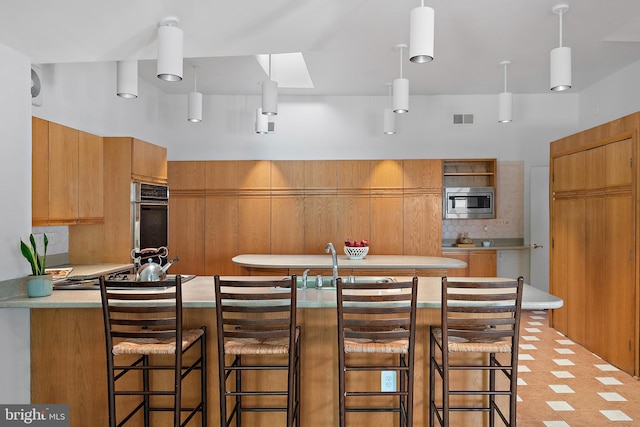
[(594, 239)]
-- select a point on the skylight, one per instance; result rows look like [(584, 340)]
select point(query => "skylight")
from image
[(288, 69)]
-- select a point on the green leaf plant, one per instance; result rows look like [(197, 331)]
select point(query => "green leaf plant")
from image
[(36, 261)]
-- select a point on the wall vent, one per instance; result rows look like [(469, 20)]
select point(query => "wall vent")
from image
[(463, 119)]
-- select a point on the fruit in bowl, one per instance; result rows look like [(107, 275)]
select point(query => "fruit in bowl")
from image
[(356, 249), (356, 243)]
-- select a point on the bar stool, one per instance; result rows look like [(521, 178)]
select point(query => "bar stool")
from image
[(144, 319), (256, 324), (379, 319), (481, 317)]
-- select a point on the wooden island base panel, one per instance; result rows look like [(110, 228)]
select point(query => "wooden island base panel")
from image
[(68, 354)]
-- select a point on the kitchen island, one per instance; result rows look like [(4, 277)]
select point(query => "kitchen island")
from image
[(68, 351)]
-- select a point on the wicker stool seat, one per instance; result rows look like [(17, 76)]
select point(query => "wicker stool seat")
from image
[(257, 333), (376, 318), (482, 317), (145, 319)]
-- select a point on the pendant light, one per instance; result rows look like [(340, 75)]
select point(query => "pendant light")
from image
[(560, 58), (505, 99), (195, 100), (269, 95), (127, 79), (262, 122), (170, 45), (389, 117), (421, 34), (401, 88)]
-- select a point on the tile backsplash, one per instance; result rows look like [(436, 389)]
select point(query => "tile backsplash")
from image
[(509, 221), (58, 238)]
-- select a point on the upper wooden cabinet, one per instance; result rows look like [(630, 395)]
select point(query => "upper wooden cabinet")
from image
[(148, 162), (469, 173), (68, 173), (40, 171)]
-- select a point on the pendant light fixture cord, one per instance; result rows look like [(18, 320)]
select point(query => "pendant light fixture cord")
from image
[(560, 14), (195, 78), (269, 66), (401, 49), (505, 77)]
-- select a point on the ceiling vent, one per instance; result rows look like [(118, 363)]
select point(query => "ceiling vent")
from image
[(463, 119), (36, 86)]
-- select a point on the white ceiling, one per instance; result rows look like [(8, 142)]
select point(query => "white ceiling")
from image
[(348, 44)]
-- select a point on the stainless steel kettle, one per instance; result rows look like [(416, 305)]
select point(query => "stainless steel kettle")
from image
[(154, 272)]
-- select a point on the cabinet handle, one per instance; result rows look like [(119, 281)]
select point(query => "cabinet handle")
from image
[(536, 246)]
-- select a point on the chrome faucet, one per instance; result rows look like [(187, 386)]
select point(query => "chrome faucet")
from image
[(334, 261), (305, 277)]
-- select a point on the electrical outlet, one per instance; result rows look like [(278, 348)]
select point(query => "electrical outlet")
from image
[(501, 222), (388, 381)]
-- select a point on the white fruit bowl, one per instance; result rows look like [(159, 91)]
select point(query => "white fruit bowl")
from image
[(356, 252)]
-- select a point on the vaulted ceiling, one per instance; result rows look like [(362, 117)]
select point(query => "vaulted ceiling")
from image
[(348, 45)]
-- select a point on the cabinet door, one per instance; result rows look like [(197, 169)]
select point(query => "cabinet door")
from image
[(569, 172), (148, 162), (459, 255), (187, 233), (39, 171), (483, 263), (619, 309), (63, 174), (567, 258), (619, 166), (90, 178)]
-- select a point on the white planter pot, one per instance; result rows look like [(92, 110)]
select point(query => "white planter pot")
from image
[(39, 286)]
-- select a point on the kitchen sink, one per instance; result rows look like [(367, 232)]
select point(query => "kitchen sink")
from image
[(312, 281)]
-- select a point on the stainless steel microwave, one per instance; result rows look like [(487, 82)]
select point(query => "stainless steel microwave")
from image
[(468, 202)]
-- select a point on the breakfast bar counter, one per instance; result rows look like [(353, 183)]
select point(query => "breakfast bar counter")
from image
[(68, 352), (369, 262), (198, 293)]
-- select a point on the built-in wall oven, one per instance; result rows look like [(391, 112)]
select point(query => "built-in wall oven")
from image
[(150, 215)]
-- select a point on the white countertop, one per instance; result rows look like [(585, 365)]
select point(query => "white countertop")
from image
[(199, 293), (324, 261)]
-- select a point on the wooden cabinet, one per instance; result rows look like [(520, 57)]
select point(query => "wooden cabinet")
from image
[(295, 207), (40, 171), (148, 162), (68, 175), (480, 263), (90, 177), (124, 162), (593, 260), (469, 173)]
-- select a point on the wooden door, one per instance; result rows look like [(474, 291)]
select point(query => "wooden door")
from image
[(63, 174), (619, 308), (90, 178), (39, 171), (590, 329), (567, 260)]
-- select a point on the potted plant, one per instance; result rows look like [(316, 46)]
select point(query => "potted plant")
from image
[(39, 284)]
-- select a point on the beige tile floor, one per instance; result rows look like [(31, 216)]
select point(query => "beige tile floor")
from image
[(562, 384)]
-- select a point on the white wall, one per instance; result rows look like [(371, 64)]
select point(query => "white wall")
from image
[(615, 96), (15, 191)]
